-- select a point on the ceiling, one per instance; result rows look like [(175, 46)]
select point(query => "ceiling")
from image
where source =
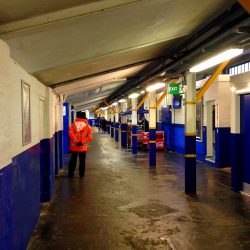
[(87, 49)]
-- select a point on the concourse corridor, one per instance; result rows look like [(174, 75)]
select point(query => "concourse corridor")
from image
[(122, 204)]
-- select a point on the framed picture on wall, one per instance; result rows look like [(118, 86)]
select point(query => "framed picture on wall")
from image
[(26, 113)]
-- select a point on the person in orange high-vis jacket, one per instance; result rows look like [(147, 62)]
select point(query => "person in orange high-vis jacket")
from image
[(80, 134)]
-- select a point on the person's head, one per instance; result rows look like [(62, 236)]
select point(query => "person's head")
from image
[(143, 118), (83, 115), (102, 117), (99, 115)]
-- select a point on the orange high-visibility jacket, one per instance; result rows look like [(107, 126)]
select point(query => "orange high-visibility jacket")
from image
[(80, 131)]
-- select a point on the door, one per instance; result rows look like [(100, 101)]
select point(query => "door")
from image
[(209, 123), (245, 137)]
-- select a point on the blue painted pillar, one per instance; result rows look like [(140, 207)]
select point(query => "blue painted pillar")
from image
[(134, 125), (152, 129), (109, 126), (66, 128), (236, 144), (112, 123), (124, 129), (190, 134), (116, 131), (117, 122), (108, 120)]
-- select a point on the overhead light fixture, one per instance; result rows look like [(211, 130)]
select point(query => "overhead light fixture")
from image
[(115, 103), (122, 100), (143, 91), (232, 88), (155, 86), (217, 59), (133, 95), (104, 108), (242, 91)]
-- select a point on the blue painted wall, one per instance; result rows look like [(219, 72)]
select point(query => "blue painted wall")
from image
[(245, 136), (24, 185), (25, 195), (47, 176), (65, 130), (166, 122), (91, 122), (201, 147), (178, 138), (6, 211), (158, 126), (175, 141)]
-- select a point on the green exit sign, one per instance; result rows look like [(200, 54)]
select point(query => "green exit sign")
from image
[(176, 88)]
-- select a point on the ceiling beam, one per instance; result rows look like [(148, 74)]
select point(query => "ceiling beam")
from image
[(42, 22), (107, 72)]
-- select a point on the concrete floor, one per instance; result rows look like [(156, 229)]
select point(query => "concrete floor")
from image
[(122, 204)]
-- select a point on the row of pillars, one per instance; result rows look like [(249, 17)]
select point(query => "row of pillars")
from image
[(190, 130)]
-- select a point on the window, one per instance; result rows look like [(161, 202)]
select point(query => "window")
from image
[(238, 69)]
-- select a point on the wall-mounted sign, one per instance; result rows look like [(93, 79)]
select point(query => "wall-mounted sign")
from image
[(175, 88), (26, 113), (64, 110)]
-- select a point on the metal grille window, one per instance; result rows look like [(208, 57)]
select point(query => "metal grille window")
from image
[(238, 69)]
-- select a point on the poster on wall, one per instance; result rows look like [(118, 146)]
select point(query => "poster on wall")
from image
[(26, 113)]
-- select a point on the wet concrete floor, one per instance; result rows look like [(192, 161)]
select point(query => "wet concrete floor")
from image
[(122, 204)]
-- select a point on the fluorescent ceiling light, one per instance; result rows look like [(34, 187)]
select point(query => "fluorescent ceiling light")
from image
[(115, 103), (133, 95), (143, 91), (241, 91), (217, 59), (122, 100), (156, 86), (104, 108)]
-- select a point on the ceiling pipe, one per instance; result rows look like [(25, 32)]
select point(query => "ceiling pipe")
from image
[(238, 22)]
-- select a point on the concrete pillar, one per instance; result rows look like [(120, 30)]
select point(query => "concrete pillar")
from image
[(152, 129), (49, 153), (124, 125), (190, 134), (236, 143), (61, 131), (74, 116), (69, 114), (117, 122), (134, 125), (112, 122)]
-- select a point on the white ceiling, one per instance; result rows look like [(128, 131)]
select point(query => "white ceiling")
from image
[(59, 41)]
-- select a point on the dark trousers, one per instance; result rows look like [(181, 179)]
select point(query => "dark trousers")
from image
[(73, 159)]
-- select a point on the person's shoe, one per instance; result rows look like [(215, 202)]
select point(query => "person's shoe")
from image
[(70, 175), (81, 175)]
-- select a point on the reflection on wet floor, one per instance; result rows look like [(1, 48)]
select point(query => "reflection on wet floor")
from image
[(123, 204)]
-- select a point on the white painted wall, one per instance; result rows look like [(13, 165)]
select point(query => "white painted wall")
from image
[(91, 114), (17, 74), (11, 76), (5, 106), (219, 92)]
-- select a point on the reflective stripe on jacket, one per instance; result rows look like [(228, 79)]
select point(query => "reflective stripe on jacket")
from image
[(84, 135)]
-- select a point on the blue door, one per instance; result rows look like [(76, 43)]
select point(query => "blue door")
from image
[(245, 137), (166, 125)]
